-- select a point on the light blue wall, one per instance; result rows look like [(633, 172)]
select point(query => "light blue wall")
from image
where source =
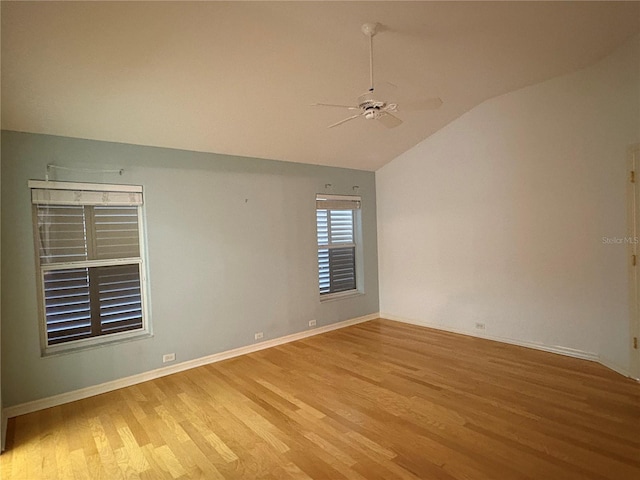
[(231, 251)]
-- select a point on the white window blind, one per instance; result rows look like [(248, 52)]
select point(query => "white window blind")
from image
[(335, 222), (68, 305), (90, 261), (116, 232)]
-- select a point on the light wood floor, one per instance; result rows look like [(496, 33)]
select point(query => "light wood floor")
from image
[(379, 400)]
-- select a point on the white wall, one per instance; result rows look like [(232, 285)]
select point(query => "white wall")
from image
[(499, 217), (3, 420), (3, 423)]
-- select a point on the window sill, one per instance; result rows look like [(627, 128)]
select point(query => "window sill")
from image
[(96, 342), (340, 295)]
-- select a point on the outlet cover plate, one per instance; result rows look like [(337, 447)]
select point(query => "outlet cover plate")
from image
[(169, 357)]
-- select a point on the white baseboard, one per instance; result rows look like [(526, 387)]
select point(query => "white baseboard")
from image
[(614, 366), (569, 352), (41, 404)]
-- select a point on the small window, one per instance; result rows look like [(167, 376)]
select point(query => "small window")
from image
[(90, 263), (336, 230)]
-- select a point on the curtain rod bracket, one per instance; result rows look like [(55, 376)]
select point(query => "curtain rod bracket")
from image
[(119, 171)]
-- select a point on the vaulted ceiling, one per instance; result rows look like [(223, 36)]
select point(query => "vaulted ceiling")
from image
[(240, 77)]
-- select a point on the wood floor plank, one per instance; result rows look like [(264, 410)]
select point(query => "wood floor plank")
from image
[(380, 400), (78, 464)]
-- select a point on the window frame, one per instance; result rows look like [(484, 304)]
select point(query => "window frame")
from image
[(41, 270), (356, 244)]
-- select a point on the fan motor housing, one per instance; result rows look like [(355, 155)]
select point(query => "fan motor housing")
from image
[(369, 104)]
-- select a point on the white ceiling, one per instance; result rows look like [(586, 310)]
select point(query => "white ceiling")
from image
[(239, 77)]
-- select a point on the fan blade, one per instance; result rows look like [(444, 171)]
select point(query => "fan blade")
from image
[(348, 107), (426, 104), (345, 120), (391, 108), (389, 121)]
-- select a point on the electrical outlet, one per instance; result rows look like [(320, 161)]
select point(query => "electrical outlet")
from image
[(312, 323), (169, 357), (259, 335), (480, 326)]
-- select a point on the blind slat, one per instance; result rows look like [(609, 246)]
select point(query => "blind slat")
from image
[(61, 233), (116, 231), (120, 298), (67, 305)]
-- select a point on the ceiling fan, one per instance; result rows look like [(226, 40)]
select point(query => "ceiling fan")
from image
[(370, 105)]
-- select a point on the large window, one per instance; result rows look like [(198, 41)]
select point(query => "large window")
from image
[(337, 240), (90, 262)]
